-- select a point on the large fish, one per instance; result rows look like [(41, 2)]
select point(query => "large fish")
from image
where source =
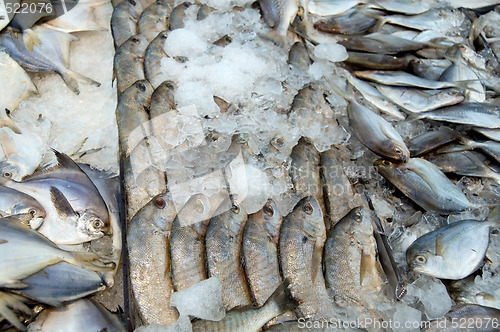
[(453, 251), (148, 241)]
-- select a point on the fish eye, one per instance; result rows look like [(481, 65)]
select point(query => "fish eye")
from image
[(170, 86), (97, 224), (268, 209), (135, 40), (32, 212), (235, 208), (160, 203), (358, 217), (141, 87), (398, 150), (420, 259), (307, 208), (164, 35), (386, 163), (7, 174)]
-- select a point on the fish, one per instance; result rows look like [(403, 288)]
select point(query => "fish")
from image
[(176, 20), (376, 133), (187, 243), (75, 211), (128, 63), (401, 78), (18, 81), (431, 140), (250, 318), (482, 115), (14, 202), (490, 148), (155, 52), (278, 14), (453, 251), (298, 57), (61, 282), (162, 102), (480, 315), (223, 250), (78, 316), (352, 271), (431, 69), (124, 21), (492, 133), (425, 184), (354, 21), (304, 170), (132, 115), (148, 239), (260, 252), (154, 19), (380, 43), (25, 251), (301, 241), (379, 61), (417, 101)]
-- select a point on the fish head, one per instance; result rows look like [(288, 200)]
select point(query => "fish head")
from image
[(395, 150), (143, 92), (36, 210), (94, 227), (387, 168), (422, 261), (451, 96), (360, 222), (312, 216), (271, 218), (12, 170)]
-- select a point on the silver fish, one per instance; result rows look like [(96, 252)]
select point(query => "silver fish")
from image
[(124, 21), (474, 114), (425, 184), (128, 63), (490, 148), (15, 202), (155, 52), (453, 251), (492, 133), (155, 19), (148, 240), (278, 14), (431, 140)]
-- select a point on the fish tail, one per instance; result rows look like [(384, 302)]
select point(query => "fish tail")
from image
[(72, 79), (281, 299), (6, 303)]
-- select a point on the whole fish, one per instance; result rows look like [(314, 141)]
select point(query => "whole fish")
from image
[(154, 19), (431, 140), (50, 55), (401, 78), (128, 63), (480, 315), (260, 252), (176, 20), (25, 251), (379, 61), (60, 283), (425, 184), (18, 81), (75, 211), (78, 316), (380, 43), (352, 270), (302, 237), (453, 251), (148, 241), (15, 202), (278, 14), (417, 100), (155, 52), (482, 115), (187, 243), (354, 21), (376, 133), (223, 250), (124, 21), (250, 318)]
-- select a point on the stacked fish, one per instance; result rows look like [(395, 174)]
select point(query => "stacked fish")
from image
[(417, 90), (60, 239)]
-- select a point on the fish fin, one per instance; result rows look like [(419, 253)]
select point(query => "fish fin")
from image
[(282, 298), (63, 162), (7, 302), (439, 245), (366, 264), (30, 39), (72, 79), (6, 121), (64, 209)]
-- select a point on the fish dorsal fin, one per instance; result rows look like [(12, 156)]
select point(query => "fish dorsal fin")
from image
[(439, 245), (63, 163), (61, 203)]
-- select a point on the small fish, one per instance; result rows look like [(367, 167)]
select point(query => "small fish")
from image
[(302, 237), (379, 61), (418, 100), (79, 316), (380, 43), (482, 115), (250, 318), (15, 202), (425, 184), (155, 52), (154, 19), (223, 249), (128, 63), (124, 21), (376, 133), (466, 313), (431, 140), (453, 251), (148, 239), (354, 21), (278, 14), (177, 16), (51, 55)]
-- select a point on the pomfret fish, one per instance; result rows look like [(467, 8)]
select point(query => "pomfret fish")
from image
[(124, 21), (279, 14), (481, 315), (453, 251), (249, 318), (15, 202), (148, 241), (128, 63), (78, 316), (154, 19), (482, 115), (223, 251), (302, 237), (155, 52), (425, 184), (75, 211)]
